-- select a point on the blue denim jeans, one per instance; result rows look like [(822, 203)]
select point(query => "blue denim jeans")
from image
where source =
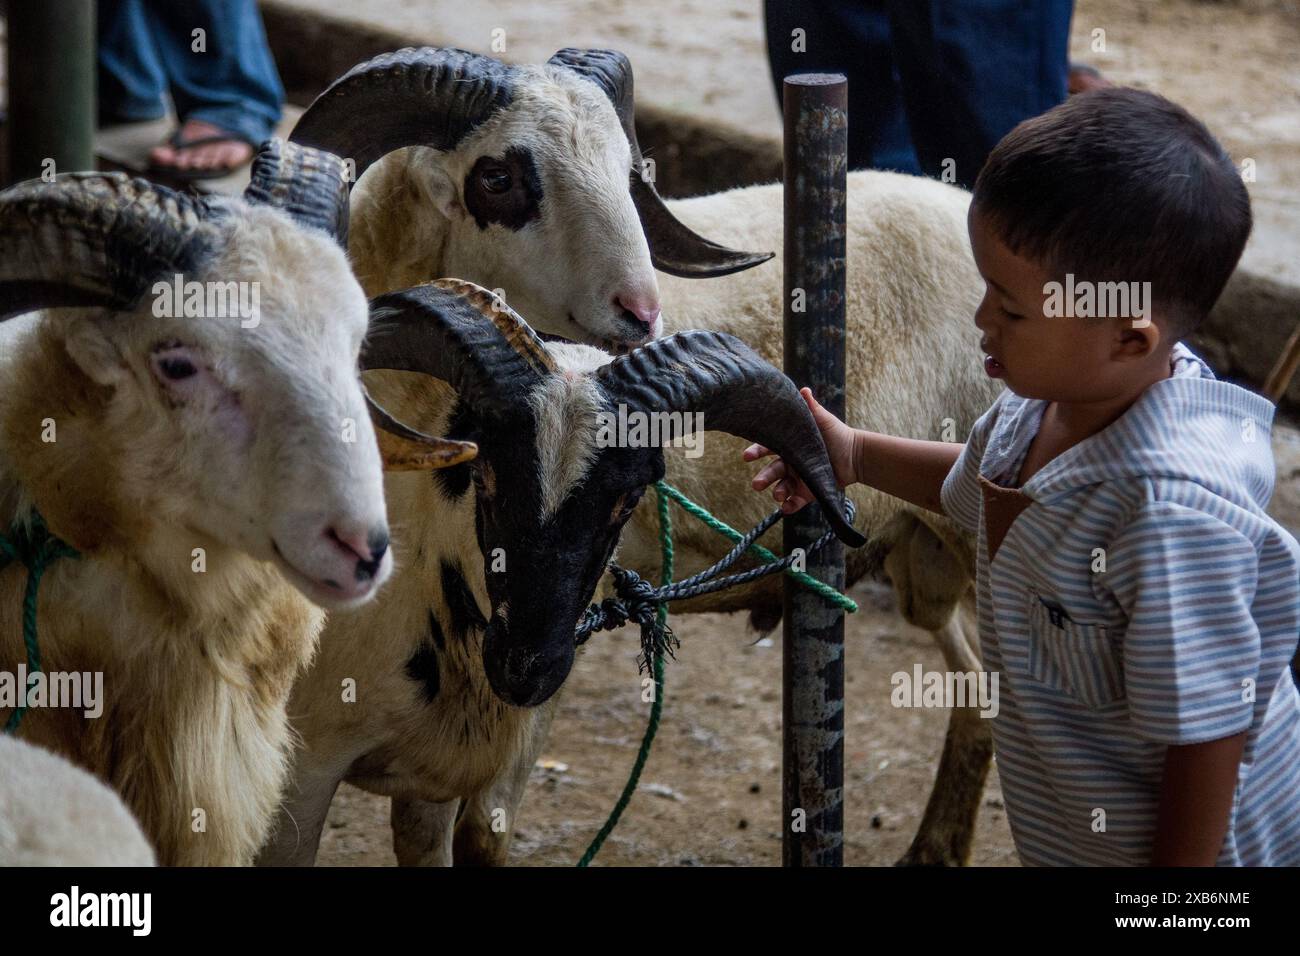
[(929, 80), (147, 47)]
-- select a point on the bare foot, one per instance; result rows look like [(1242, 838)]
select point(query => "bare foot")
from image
[(224, 153)]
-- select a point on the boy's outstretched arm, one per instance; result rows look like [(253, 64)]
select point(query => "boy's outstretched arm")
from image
[(1195, 800), (906, 468)]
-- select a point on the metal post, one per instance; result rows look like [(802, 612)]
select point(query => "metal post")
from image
[(816, 165), (51, 87)]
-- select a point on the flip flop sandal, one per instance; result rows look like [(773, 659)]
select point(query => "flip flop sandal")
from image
[(177, 142)]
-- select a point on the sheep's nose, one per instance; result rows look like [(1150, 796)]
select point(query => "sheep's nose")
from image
[(644, 309), (369, 548)]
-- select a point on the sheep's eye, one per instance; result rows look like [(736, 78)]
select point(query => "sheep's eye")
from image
[(626, 506), (496, 179), (176, 369)]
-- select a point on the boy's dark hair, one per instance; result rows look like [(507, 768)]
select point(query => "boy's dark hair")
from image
[(1120, 185)]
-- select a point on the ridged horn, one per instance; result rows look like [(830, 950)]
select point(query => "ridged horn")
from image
[(737, 392), (405, 449), (425, 96), (311, 185), (674, 247), (96, 239), (462, 334)]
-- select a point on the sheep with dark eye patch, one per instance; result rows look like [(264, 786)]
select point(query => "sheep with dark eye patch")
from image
[(456, 666), (518, 176)]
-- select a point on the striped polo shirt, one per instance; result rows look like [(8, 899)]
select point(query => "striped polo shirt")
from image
[(1133, 594)]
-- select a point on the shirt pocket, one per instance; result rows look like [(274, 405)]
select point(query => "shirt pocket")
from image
[(1080, 660)]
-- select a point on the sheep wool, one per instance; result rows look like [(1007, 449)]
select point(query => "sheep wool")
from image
[(55, 814)]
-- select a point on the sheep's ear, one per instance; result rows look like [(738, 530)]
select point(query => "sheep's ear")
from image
[(444, 195), (95, 353)]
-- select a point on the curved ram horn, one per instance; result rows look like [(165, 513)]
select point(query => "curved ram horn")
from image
[(311, 185), (461, 333), (737, 392), (423, 96), (405, 449), (96, 239), (674, 247)]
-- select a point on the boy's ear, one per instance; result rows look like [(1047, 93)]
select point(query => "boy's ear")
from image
[(1138, 337)]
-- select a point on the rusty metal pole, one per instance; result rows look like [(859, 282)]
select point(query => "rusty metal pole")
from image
[(51, 49), (816, 166)]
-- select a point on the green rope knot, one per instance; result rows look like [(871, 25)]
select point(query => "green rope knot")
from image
[(32, 545)]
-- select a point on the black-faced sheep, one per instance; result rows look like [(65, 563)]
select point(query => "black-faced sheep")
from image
[(431, 692)]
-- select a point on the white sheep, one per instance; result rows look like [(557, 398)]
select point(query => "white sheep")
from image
[(428, 694), (218, 474), (520, 182), (55, 814)]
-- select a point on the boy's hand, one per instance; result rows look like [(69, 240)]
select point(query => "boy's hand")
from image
[(787, 488)]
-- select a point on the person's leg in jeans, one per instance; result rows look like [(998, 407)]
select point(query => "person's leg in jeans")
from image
[(973, 69), (131, 78), (850, 37), (233, 83), (228, 86)]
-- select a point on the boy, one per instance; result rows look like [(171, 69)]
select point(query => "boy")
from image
[(1138, 603)]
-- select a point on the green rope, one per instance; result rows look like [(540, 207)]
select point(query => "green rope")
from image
[(807, 580), (665, 492), (34, 547), (657, 705)]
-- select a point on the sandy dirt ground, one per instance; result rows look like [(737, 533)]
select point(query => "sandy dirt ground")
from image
[(711, 792)]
